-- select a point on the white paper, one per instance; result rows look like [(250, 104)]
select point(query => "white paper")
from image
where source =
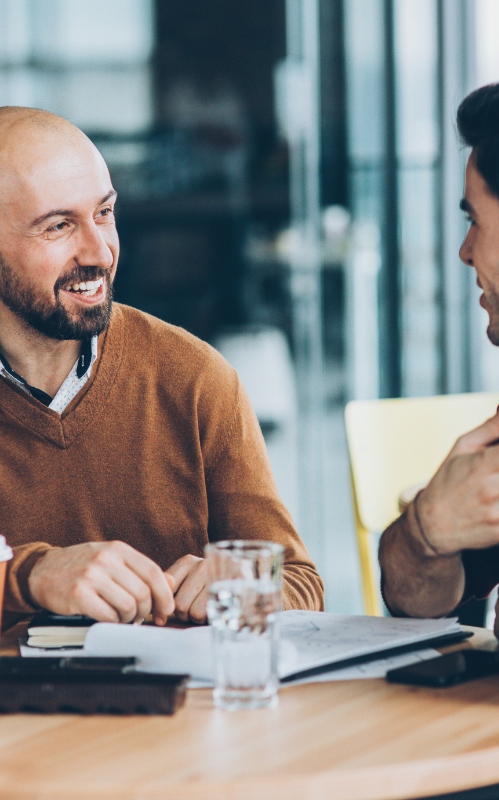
[(369, 669), (186, 651), (43, 652), (308, 639), (322, 638)]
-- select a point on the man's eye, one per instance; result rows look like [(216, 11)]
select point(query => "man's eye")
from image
[(59, 227), (106, 212)]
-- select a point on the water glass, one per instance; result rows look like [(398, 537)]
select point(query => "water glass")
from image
[(245, 582)]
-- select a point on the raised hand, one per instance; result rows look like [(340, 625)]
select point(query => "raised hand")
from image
[(459, 509)]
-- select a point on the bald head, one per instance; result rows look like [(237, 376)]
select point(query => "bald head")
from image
[(40, 151), (21, 121), (30, 137), (26, 134)]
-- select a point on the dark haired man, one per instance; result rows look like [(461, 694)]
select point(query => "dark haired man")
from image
[(445, 548), (126, 444)]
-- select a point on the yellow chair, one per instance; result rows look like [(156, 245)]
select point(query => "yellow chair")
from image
[(396, 444)]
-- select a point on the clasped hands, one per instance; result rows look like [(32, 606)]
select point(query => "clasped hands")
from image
[(113, 582)]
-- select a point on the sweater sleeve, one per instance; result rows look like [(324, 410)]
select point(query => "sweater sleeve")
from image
[(244, 503), (481, 568), (17, 601)]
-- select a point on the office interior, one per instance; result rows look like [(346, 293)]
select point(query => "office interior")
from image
[(289, 179)]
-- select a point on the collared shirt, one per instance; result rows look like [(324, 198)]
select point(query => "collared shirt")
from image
[(77, 378)]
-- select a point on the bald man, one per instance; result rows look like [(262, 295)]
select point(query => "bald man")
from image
[(127, 443)]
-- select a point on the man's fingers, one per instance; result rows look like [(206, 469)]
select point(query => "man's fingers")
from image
[(181, 568), (120, 596), (191, 606), (134, 597), (126, 603), (198, 609), (483, 436), (110, 581), (171, 580), (86, 601), (161, 591), (190, 574)]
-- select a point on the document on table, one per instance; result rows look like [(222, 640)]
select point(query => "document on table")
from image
[(311, 641), (368, 669), (324, 639)]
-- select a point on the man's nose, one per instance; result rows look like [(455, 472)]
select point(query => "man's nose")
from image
[(465, 252), (93, 249)]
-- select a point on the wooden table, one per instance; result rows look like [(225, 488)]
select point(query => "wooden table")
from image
[(348, 740)]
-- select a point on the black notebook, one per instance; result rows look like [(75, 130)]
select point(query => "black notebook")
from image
[(50, 630)]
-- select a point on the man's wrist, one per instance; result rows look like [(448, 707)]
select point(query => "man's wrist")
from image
[(31, 577), (420, 534)]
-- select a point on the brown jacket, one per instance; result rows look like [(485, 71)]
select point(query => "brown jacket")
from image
[(160, 449)]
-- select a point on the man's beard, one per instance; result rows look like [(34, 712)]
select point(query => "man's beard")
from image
[(492, 308), (49, 316)]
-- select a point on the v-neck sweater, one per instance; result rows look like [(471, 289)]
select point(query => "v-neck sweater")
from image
[(160, 449)]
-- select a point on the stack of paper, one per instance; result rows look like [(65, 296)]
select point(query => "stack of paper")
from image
[(310, 640), (312, 643)]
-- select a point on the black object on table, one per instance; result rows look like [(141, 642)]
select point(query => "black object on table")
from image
[(86, 685)]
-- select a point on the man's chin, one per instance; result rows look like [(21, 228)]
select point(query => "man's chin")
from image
[(493, 334), (87, 322), (68, 323)]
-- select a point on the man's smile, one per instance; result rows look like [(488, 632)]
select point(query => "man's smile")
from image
[(87, 291)]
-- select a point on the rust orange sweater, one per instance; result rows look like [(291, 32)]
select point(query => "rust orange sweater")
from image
[(160, 449)]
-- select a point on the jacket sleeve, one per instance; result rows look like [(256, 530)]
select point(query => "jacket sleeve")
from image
[(244, 503)]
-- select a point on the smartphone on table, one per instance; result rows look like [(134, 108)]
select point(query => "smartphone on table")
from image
[(449, 669)]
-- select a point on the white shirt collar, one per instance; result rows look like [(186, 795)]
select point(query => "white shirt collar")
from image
[(71, 386)]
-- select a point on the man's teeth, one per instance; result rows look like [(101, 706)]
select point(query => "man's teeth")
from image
[(88, 287)]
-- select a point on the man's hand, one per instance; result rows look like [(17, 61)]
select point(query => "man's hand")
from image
[(189, 575), (109, 581), (459, 508)]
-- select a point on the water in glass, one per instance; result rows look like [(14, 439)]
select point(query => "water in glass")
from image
[(243, 616)]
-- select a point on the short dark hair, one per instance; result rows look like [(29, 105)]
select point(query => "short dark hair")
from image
[(478, 126)]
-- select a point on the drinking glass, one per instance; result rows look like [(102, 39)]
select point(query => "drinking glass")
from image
[(245, 581)]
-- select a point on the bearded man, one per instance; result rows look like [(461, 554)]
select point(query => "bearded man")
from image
[(127, 443), (445, 548)]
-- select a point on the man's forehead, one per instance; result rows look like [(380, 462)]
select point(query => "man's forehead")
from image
[(52, 171), (475, 184), (32, 141)]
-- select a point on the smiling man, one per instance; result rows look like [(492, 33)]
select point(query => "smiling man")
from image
[(445, 548), (127, 443)]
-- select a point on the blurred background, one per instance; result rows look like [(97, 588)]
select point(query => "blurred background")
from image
[(289, 179)]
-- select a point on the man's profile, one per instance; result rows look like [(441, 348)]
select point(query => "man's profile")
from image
[(445, 548), (127, 443)]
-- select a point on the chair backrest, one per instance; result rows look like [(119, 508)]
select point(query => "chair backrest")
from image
[(394, 444)]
